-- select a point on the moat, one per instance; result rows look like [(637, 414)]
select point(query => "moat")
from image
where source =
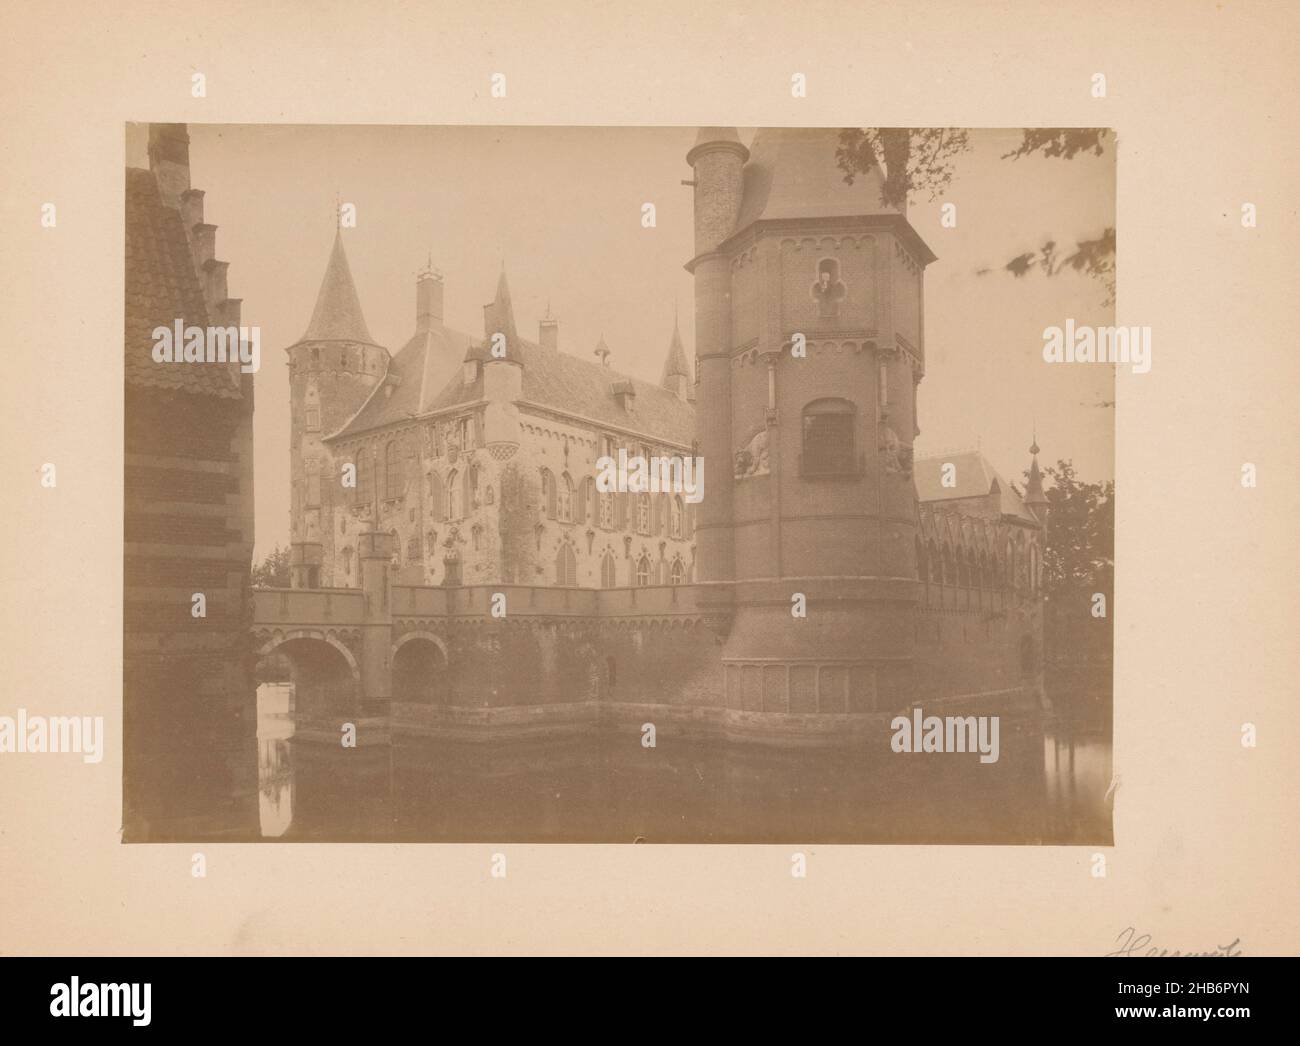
[(1048, 787)]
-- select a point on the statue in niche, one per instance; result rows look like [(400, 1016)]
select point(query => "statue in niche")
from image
[(829, 290), (752, 460), (897, 457)]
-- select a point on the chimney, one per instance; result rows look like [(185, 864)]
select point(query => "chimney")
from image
[(428, 299), (548, 332), (169, 160)]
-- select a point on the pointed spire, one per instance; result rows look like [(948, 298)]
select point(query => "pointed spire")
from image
[(337, 316), (499, 315), (1035, 499), (675, 362)]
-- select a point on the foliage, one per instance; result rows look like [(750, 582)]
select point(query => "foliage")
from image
[(924, 159), (273, 571)]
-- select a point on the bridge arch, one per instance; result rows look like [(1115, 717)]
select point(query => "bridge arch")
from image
[(280, 638), (325, 674), (419, 663)]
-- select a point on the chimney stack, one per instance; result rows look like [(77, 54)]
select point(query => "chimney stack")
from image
[(428, 299), (169, 159)]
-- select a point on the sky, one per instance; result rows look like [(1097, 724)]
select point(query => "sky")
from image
[(561, 208)]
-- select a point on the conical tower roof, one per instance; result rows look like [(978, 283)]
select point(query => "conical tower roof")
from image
[(337, 316), (499, 315)]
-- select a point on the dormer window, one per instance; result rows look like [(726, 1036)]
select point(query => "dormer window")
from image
[(470, 372), (624, 394)]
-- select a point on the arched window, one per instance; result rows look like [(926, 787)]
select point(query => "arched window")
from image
[(347, 562), (828, 438), (607, 510), (678, 573), (476, 538), (643, 570), (590, 505), (607, 579), (439, 506), (414, 554), (643, 513), (455, 496), (364, 477), (566, 566), (548, 493), (392, 470), (675, 517), (564, 499)]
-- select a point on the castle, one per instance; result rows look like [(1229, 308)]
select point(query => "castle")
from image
[(480, 466), (473, 457)]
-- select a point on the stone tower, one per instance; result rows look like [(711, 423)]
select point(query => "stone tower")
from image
[(332, 369), (810, 344)]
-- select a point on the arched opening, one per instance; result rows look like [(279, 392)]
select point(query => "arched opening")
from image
[(548, 493), (607, 571), (322, 674), (566, 566), (419, 671), (392, 471)]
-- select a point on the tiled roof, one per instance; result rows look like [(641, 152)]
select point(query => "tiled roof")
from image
[(974, 479), (161, 288)]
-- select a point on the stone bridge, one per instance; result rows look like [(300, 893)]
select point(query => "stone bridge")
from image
[(483, 652)]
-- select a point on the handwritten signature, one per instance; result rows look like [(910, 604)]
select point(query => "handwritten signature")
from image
[(1131, 943)]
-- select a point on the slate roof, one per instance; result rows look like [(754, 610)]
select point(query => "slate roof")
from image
[(792, 173), (406, 375), (162, 287), (675, 363), (551, 379), (974, 477)]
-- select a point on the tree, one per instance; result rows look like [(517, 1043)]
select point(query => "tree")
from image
[(1078, 568), (924, 159), (273, 571), (1079, 552)]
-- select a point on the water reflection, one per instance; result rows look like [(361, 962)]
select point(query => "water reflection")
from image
[(1049, 786)]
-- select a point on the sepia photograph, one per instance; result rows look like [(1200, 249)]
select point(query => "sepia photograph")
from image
[(619, 484), (596, 479)]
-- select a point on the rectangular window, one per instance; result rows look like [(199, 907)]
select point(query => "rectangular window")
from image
[(313, 419), (313, 489), (828, 444)]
